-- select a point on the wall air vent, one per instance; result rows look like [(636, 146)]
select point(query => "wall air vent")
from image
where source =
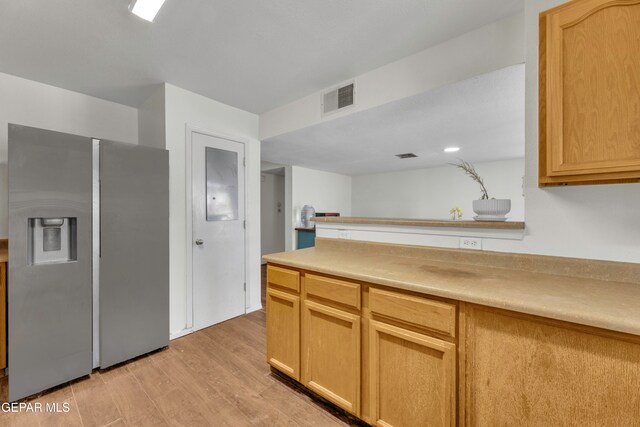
[(406, 156), (339, 98)]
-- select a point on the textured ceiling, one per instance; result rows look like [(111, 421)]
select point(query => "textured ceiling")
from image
[(252, 54), (484, 116)]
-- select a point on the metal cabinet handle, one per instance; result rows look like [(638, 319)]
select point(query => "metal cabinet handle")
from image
[(199, 242)]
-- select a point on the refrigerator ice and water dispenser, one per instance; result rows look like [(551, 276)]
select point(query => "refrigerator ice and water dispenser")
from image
[(52, 240)]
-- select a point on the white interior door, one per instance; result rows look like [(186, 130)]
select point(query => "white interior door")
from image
[(218, 184)]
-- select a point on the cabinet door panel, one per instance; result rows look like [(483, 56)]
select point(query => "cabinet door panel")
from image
[(590, 102), (412, 378), (527, 371), (283, 332), (331, 354)]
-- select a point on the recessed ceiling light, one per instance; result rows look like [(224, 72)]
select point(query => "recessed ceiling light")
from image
[(451, 149), (146, 9)]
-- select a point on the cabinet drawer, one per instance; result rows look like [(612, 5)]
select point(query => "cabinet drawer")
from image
[(435, 315), (347, 293), (289, 279)]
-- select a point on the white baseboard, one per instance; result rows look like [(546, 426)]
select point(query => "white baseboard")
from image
[(254, 308), (181, 333), (188, 331)]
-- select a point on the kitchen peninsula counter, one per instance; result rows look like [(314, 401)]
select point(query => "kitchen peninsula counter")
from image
[(594, 293), (500, 225)]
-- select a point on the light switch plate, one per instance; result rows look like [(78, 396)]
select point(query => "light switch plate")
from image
[(470, 243)]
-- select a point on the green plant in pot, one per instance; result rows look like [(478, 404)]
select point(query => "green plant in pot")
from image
[(486, 208)]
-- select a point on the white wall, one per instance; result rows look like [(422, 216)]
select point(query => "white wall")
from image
[(187, 108), (269, 166), (4, 200), (30, 103), (597, 221), (592, 221), (432, 192), (486, 49), (272, 214), (325, 191), (289, 218), (151, 120)]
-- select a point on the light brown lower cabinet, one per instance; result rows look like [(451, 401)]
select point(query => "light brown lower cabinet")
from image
[(401, 359), (412, 378), (283, 332), (378, 370), (331, 354), (529, 371)]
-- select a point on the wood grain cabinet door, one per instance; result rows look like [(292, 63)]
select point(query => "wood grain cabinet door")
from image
[(413, 378), (590, 92), (528, 371), (283, 332), (331, 354)]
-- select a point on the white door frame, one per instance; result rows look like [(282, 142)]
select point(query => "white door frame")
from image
[(190, 130)]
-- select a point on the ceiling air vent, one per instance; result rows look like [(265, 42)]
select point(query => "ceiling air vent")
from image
[(338, 98), (406, 156)]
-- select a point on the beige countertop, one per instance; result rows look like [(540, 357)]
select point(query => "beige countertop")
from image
[(506, 225), (600, 303)]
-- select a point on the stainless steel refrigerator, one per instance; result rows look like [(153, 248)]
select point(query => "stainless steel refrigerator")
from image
[(88, 256)]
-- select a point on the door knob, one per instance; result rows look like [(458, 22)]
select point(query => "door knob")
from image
[(199, 242)]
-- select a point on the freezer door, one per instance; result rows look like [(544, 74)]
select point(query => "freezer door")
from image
[(134, 252), (49, 288)]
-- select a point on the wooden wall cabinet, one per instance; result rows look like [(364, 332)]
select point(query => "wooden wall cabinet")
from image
[(589, 93)]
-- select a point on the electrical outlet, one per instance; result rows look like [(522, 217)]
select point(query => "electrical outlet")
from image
[(344, 234), (470, 243)]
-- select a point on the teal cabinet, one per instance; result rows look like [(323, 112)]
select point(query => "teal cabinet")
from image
[(306, 238)]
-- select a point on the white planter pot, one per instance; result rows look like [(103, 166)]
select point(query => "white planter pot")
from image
[(491, 209)]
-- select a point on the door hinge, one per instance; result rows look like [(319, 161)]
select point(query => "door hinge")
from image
[(244, 224), (244, 161), (245, 286)]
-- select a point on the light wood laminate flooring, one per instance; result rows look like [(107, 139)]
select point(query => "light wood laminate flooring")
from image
[(214, 377)]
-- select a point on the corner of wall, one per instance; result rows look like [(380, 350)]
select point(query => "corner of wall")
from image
[(151, 120)]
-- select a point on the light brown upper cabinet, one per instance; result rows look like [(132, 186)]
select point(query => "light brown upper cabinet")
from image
[(590, 93)]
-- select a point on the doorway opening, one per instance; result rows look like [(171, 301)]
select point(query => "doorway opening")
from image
[(272, 212)]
